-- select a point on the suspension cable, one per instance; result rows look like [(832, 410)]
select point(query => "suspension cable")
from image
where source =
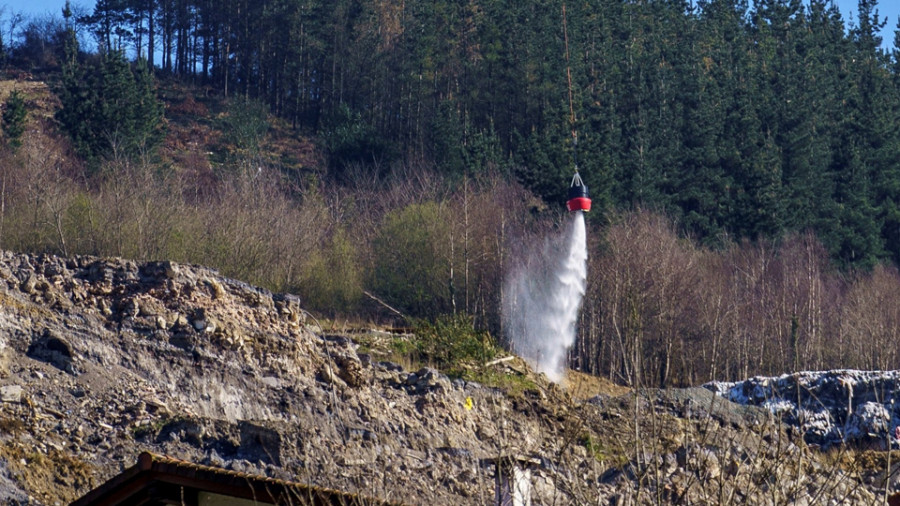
[(572, 118)]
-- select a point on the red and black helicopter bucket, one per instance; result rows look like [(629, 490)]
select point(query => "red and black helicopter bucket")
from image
[(578, 199)]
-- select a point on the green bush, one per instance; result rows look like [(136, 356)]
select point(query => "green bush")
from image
[(14, 118), (451, 341), (412, 264), (245, 126), (332, 277)]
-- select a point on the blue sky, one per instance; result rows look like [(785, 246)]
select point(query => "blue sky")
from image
[(32, 7), (889, 8)]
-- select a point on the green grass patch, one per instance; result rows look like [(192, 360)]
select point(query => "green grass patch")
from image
[(512, 384), (601, 452), (451, 341)]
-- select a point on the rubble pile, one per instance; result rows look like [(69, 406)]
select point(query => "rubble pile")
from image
[(101, 359), (830, 408)]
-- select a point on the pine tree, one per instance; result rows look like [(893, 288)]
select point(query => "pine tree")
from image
[(862, 147), (889, 181), (14, 115), (78, 95), (147, 110), (807, 121), (108, 110), (703, 184), (108, 22), (116, 123)]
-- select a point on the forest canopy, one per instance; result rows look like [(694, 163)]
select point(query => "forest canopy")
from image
[(736, 118)]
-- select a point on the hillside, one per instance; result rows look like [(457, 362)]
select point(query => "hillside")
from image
[(741, 120), (101, 359)]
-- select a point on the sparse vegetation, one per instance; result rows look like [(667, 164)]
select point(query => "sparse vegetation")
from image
[(513, 383), (11, 426), (453, 341), (602, 453), (49, 475), (659, 310)]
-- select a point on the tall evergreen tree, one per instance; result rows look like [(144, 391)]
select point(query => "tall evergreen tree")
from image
[(108, 110), (703, 184), (14, 114)]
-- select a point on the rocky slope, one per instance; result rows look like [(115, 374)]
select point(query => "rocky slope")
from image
[(101, 359)]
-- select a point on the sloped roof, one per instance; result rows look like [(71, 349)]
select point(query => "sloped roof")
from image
[(158, 480)]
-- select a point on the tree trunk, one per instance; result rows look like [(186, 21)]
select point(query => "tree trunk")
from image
[(151, 41)]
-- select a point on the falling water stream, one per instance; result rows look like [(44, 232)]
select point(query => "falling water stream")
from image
[(543, 297)]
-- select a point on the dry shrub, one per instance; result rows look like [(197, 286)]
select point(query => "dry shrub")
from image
[(660, 310), (190, 107), (251, 229), (489, 218), (870, 321), (248, 226), (332, 278), (39, 182), (645, 273)]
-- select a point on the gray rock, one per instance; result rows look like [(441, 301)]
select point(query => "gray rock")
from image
[(11, 393), (184, 340), (271, 381), (159, 270), (427, 379), (361, 433), (130, 308), (29, 285), (328, 374), (390, 366), (829, 407), (259, 443), (349, 368), (187, 430)]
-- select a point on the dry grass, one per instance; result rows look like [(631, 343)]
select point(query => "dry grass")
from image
[(49, 474), (583, 386), (40, 100)]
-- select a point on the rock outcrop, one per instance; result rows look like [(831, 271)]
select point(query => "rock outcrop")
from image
[(860, 408), (101, 359)]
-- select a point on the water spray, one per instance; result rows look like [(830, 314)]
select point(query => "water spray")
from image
[(543, 296)]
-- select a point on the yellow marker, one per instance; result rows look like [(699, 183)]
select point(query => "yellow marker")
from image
[(468, 404)]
